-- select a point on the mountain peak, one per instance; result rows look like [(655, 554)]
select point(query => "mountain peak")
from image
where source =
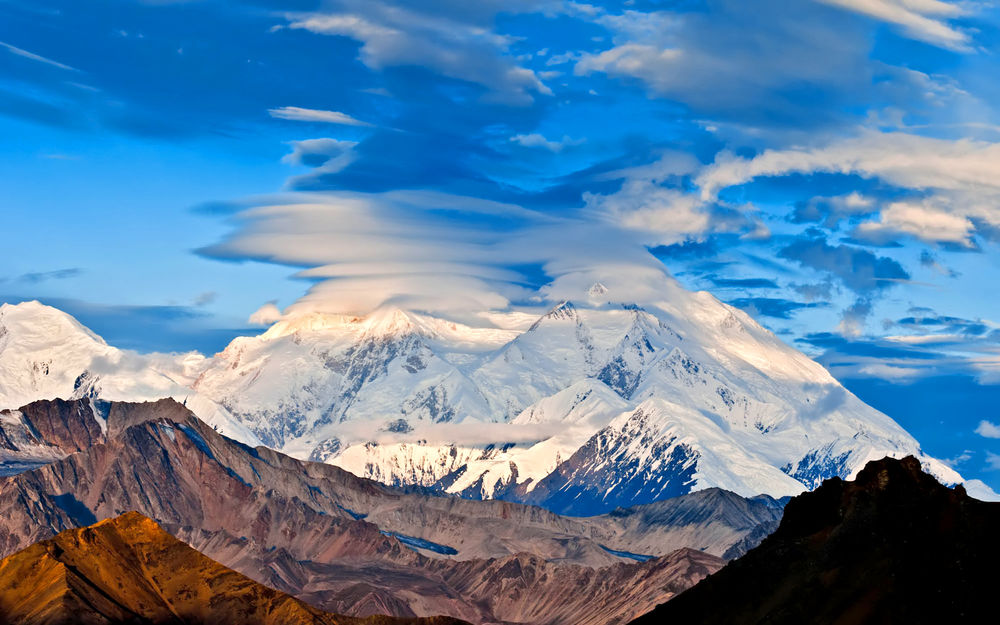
[(386, 321), (311, 322), (389, 322), (880, 474), (597, 290), (34, 321), (564, 310)]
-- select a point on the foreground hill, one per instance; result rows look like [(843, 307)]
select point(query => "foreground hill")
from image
[(596, 404), (351, 545), (893, 546), (128, 570)]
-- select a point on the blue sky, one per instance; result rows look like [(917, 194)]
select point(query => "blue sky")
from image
[(831, 166)]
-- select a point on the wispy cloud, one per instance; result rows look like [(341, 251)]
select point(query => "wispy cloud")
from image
[(36, 57), (777, 308), (460, 44), (36, 277), (675, 54), (992, 461), (957, 182), (436, 252), (299, 114), (205, 298), (926, 20), (536, 140)]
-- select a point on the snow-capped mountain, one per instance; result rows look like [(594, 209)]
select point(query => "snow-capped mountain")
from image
[(47, 354), (596, 404)]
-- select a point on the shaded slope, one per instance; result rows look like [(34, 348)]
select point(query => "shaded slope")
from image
[(893, 546), (128, 570), (714, 521), (527, 589)]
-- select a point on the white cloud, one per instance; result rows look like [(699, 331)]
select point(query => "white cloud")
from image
[(299, 114), (920, 19), (992, 461), (435, 252), (324, 156), (960, 180), (923, 220), (653, 204), (458, 42), (665, 216), (988, 429), (266, 315), (891, 372), (535, 140), (907, 160), (770, 45), (36, 57), (637, 60), (961, 458)]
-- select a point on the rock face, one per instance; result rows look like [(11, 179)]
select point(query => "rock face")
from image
[(527, 589), (355, 546), (45, 431), (713, 521), (129, 570), (893, 546)]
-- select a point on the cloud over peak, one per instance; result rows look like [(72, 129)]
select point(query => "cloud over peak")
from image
[(435, 252)]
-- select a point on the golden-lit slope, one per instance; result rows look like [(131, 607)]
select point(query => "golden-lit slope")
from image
[(129, 570)]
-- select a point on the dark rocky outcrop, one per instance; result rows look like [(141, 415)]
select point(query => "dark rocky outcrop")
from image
[(893, 546)]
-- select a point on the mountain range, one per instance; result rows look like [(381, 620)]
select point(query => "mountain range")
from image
[(591, 406), (582, 465)]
